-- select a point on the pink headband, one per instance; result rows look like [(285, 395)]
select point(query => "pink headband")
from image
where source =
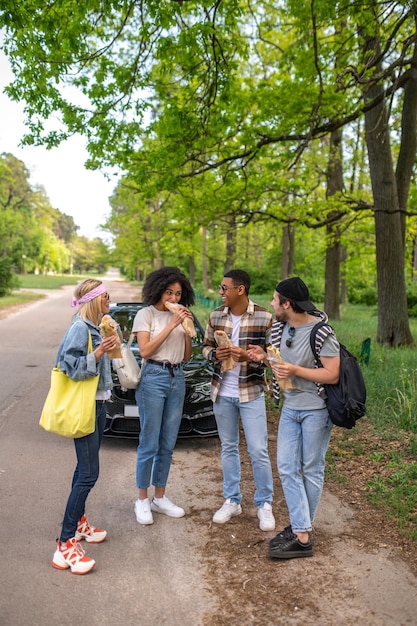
[(90, 295)]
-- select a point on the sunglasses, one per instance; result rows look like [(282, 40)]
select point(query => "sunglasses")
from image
[(291, 333), (225, 288), (105, 296)]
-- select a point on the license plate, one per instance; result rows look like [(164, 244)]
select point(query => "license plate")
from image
[(131, 410)]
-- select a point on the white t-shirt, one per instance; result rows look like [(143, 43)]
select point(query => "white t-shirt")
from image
[(153, 321), (230, 380)]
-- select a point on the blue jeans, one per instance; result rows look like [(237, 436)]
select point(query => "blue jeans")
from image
[(160, 399), (253, 416), (85, 475), (303, 439)]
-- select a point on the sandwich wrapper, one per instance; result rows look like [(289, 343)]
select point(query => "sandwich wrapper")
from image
[(187, 324), (108, 327), (274, 356), (223, 340)]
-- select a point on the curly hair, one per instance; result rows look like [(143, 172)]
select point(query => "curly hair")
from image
[(159, 280)]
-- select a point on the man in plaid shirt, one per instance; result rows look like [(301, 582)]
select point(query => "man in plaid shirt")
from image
[(239, 392)]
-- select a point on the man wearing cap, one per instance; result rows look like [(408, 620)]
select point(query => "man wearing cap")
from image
[(304, 427)]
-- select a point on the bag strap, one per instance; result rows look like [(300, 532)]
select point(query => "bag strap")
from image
[(132, 335), (318, 334), (313, 346), (90, 342)]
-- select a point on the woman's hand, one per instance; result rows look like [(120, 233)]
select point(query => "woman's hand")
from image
[(180, 315), (107, 344)]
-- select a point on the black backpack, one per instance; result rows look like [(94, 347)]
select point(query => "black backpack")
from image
[(345, 400)]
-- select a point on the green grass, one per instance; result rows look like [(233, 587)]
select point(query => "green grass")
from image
[(16, 299), (32, 281)]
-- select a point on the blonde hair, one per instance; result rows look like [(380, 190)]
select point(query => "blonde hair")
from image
[(89, 310)]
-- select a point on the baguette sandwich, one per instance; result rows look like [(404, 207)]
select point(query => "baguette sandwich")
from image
[(274, 357), (187, 323), (223, 340), (108, 327)]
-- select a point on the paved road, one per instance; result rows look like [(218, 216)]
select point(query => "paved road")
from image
[(144, 575)]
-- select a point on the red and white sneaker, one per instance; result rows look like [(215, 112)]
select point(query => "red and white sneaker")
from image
[(88, 532), (72, 555)]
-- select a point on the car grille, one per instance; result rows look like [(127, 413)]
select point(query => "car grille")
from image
[(197, 426), (122, 425), (200, 425)]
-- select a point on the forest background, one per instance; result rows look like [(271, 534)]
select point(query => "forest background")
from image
[(278, 136)]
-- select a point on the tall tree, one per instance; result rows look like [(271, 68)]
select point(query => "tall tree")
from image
[(222, 85), (393, 326)]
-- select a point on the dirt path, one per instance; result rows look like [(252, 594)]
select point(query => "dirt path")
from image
[(362, 572)]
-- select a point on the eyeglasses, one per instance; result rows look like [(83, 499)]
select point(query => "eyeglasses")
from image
[(225, 287), (291, 333), (105, 296)]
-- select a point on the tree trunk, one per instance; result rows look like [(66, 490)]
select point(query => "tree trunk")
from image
[(332, 269), (288, 251), (408, 144), (343, 290), (393, 323), (230, 245), (285, 244), (191, 270), (291, 251), (204, 257)]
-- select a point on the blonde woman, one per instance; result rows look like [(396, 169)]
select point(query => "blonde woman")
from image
[(93, 301)]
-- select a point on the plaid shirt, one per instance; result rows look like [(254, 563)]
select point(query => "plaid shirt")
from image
[(255, 328)]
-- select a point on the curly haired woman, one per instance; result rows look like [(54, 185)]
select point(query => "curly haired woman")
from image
[(164, 345)]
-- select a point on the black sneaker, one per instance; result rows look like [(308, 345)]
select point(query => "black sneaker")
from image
[(282, 537), (291, 549)]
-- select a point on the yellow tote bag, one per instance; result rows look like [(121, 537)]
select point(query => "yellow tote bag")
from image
[(70, 406)]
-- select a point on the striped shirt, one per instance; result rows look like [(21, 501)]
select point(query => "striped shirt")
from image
[(255, 328)]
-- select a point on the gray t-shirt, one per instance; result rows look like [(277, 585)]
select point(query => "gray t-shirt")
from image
[(304, 396)]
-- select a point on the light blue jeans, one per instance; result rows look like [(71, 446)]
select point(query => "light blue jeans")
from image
[(160, 399), (303, 439), (253, 415)]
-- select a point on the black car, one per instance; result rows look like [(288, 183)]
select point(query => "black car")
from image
[(197, 419)]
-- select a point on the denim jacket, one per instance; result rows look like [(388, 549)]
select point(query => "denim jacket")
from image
[(72, 354)]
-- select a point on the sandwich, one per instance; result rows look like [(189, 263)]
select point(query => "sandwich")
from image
[(108, 327), (187, 323), (274, 357), (223, 340)]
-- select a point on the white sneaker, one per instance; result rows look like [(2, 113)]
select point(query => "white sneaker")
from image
[(71, 555), (226, 512), (143, 512), (266, 517), (88, 532), (165, 506)]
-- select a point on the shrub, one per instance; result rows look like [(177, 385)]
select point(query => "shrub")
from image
[(8, 280)]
